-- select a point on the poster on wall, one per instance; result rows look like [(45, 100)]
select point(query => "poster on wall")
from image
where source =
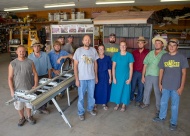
[(56, 29), (81, 28), (72, 29), (64, 28), (89, 28)]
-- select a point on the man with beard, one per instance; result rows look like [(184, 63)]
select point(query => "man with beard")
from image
[(57, 58), (22, 76), (69, 46), (151, 71), (61, 39), (139, 55), (85, 70), (43, 66), (111, 47)]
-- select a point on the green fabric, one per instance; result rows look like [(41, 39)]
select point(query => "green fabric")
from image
[(152, 61)]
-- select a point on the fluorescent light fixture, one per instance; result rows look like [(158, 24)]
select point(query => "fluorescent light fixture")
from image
[(59, 5), (172, 0), (16, 8), (114, 2)]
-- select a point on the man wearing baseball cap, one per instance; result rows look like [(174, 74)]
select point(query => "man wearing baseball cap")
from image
[(111, 47), (69, 46), (61, 39), (43, 66), (171, 63), (139, 56), (151, 71)]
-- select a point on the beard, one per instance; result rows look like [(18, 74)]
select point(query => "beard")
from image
[(57, 51), (112, 41)]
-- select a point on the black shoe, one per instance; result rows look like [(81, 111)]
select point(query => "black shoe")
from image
[(50, 102), (157, 119), (173, 127), (31, 120), (21, 122)]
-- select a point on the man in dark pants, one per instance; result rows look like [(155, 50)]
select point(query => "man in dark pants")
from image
[(43, 66), (139, 55)]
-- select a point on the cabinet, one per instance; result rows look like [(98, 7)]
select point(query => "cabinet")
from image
[(76, 30)]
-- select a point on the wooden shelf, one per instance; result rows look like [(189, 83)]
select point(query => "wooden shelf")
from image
[(45, 22)]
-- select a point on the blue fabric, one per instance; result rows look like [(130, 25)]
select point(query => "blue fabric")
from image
[(86, 86), (136, 82), (103, 88), (54, 57), (41, 63), (166, 94), (120, 92)]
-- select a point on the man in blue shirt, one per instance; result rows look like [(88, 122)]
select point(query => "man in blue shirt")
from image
[(42, 64), (57, 58)]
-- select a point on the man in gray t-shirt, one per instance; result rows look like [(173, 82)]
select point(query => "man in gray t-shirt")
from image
[(171, 81), (85, 70), (111, 48)]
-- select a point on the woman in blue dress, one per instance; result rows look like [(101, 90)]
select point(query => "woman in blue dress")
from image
[(122, 70), (103, 87)]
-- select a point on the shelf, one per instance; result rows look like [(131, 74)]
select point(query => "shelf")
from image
[(45, 22)]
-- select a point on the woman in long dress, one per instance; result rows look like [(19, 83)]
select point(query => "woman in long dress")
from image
[(122, 70), (103, 87)]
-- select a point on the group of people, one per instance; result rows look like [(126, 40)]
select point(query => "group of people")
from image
[(110, 75)]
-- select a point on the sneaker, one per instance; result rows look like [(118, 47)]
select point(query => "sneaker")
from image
[(21, 122), (142, 106), (81, 117), (157, 113), (44, 111), (92, 112), (173, 127), (157, 119), (31, 120)]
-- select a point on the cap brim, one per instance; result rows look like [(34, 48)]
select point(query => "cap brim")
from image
[(37, 44)]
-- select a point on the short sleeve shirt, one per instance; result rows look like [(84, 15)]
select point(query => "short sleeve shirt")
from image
[(86, 59), (172, 66), (41, 63), (152, 61)]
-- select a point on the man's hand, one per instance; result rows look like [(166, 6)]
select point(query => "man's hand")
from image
[(56, 72), (179, 91), (143, 80), (77, 83)]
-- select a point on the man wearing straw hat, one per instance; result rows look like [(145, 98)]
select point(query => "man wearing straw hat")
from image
[(139, 55), (171, 63), (151, 71), (43, 66)]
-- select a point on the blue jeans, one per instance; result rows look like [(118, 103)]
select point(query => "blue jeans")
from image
[(136, 81), (86, 86), (166, 94)]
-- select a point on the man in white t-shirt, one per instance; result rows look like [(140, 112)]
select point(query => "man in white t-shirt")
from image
[(85, 70)]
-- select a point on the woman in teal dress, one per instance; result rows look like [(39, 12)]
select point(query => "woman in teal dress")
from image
[(122, 70)]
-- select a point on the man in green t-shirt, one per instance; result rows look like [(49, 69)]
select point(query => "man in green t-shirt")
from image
[(151, 71)]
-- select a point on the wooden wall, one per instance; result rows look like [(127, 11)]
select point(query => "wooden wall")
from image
[(89, 11)]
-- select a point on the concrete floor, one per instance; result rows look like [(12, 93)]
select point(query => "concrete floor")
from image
[(133, 122)]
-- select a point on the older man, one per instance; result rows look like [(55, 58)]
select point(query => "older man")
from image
[(85, 69), (151, 71)]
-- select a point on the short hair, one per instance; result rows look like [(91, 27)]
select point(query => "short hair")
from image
[(123, 42), (56, 43), (21, 46), (101, 45)]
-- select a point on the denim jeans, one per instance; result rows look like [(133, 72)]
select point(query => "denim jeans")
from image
[(86, 86), (166, 94), (136, 81)]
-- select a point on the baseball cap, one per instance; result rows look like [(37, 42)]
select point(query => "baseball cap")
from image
[(112, 34), (70, 36), (61, 36)]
